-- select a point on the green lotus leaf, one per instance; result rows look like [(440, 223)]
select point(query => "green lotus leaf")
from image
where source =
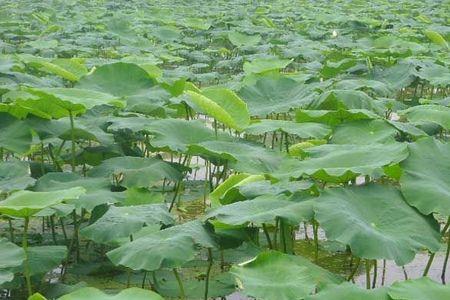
[(120, 222), (240, 39), (57, 102), (98, 190), (45, 258), (6, 276), (419, 289), (408, 128), (69, 69), (436, 38), (341, 163), (274, 275), (15, 135), (168, 248), (227, 191), (347, 99), (378, 87), (334, 117), (349, 291), (425, 182), (223, 105), (243, 157), (261, 65), (302, 130), (14, 175), (136, 171), (263, 210), (179, 134), (364, 132), (276, 95), (437, 114), (93, 293), (376, 222), (119, 79), (28, 203), (11, 255), (37, 296), (435, 74)]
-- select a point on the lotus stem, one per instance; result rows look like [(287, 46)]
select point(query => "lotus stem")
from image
[(383, 276), (368, 266), (180, 284), (352, 274), (432, 255), (26, 265), (444, 267), (11, 230), (286, 142), (72, 137), (316, 240), (266, 233), (375, 273), (404, 273), (144, 279), (208, 272), (52, 226)]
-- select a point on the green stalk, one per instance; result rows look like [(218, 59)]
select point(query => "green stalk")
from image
[(72, 137), (375, 273), (26, 265), (208, 271), (352, 274), (383, 276), (269, 242), (444, 267), (316, 240), (11, 230), (430, 260), (180, 284), (368, 266)]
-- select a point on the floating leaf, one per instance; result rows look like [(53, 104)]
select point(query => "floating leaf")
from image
[(93, 293), (302, 130), (419, 289)]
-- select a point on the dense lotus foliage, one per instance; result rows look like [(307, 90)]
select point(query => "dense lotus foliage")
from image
[(275, 150)]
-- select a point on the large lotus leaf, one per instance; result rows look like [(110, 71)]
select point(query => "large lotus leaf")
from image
[(437, 114), (223, 105), (436, 38), (276, 95), (436, 74), (380, 88), (15, 135), (135, 124), (11, 255), (119, 222), (93, 293), (334, 117), (302, 130), (376, 222), (364, 132), (240, 39), (349, 291), (225, 193), (42, 259), (168, 248), (98, 190), (263, 210), (59, 102), (14, 175), (261, 65), (136, 171), (408, 128), (341, 163), (119, 79), (28, 203), (69, 69), (347, 99), (179, 134), (150, 102), (244, 157), (274, 275), (419, 289), (6, 276), (425, 182)]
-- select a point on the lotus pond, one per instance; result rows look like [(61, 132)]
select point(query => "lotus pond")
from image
[(273, 150)]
